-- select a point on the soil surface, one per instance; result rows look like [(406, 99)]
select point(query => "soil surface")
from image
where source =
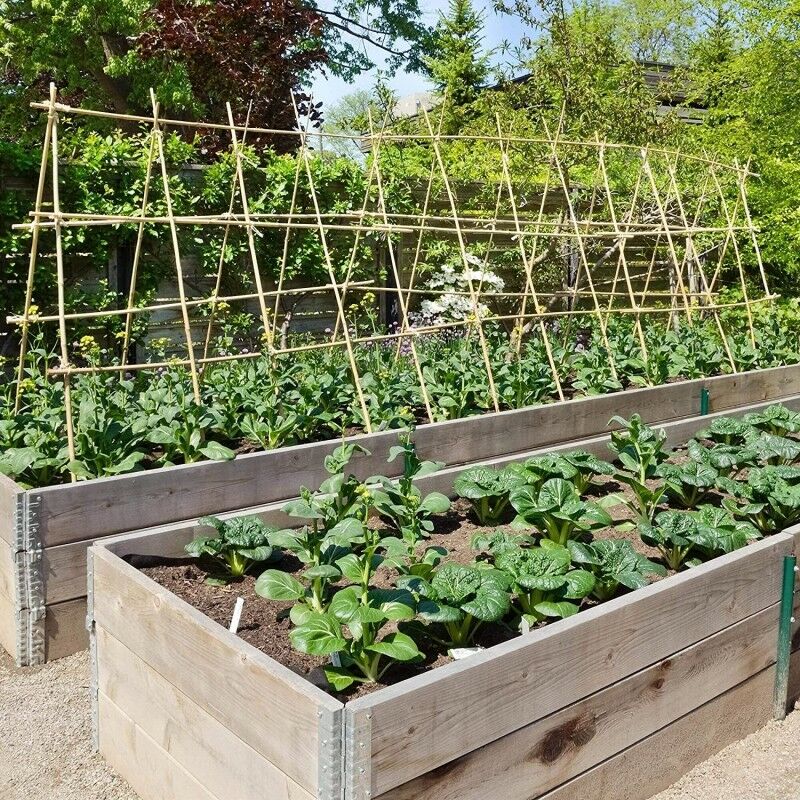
[(46, 747), (265, 623)]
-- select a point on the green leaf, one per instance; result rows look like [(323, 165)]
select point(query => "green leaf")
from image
[(319, 635), (346, 532), (398, 646), (325, 571), (345, 605), (579, 584), (351, 567), (301, 508), (300, 613), (435, 503), (217, 452), (490, 604), (276, 585), (435, 611), (559, 610), (338, 677)]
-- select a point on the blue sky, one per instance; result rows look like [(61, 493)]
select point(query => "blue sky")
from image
[(498, 29)]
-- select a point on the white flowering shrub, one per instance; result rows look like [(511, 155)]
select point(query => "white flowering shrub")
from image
[(454, 304)]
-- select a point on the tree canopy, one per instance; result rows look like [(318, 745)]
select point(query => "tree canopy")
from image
[(197, 54)]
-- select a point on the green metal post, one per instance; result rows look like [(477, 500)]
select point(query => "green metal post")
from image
[(704, 397), (780, 698)]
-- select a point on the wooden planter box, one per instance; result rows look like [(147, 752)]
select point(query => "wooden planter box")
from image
[(617, 701), (44, 533)]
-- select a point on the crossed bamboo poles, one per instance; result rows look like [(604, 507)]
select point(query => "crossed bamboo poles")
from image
[(654, 212)]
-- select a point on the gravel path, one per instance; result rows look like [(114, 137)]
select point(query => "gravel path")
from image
[(45, 740), (764, 766), (47, 709)]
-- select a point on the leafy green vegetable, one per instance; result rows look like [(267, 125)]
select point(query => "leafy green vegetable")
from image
[(767, 499), (707, 532), (488, 491), (410, 514), (777, 420), (688, 484), (542, 580), (774, 450), (726, 430), (337, 513), (557, 511), (587, 466), (240, 543), (614, 564), (640, 450), (719, 532), (363, 655), (670, 533), (726, 459), (460, 598)]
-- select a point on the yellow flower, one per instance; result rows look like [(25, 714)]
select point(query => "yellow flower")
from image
[(33, 311)]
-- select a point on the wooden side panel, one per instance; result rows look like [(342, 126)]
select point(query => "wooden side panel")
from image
[(205, 748), (8, 580), (524, 429), (150, 770), (466, 705), (8, 504), (635, 774), (8, 626), (728, 391), (178, 493), (541, 756), (64, 568), (266, 705), (65, 629), (154, 497)]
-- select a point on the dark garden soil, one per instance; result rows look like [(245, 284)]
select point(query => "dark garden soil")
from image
[(265, 623)]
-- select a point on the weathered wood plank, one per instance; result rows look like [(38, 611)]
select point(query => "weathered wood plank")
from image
[(152, 772), (539, 757), (634, 774), (465, 705), (158, 496), (182, 492), (168, 540), (193, 653), (64, 568), (65, 629), (8, 580), (8, 625), (203, 746), (8, 504)]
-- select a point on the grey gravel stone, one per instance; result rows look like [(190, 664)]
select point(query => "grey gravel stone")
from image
[(45, 735)]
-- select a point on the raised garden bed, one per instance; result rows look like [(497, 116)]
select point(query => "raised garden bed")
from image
[(44, 533), (578, 707)]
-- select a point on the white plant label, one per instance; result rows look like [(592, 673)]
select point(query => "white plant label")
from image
[(457, 653), (237, 615)]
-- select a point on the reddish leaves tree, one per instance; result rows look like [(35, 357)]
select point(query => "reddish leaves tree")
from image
[(240, 51)]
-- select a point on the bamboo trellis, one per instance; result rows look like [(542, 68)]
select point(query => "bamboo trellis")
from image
[(596, 205)]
